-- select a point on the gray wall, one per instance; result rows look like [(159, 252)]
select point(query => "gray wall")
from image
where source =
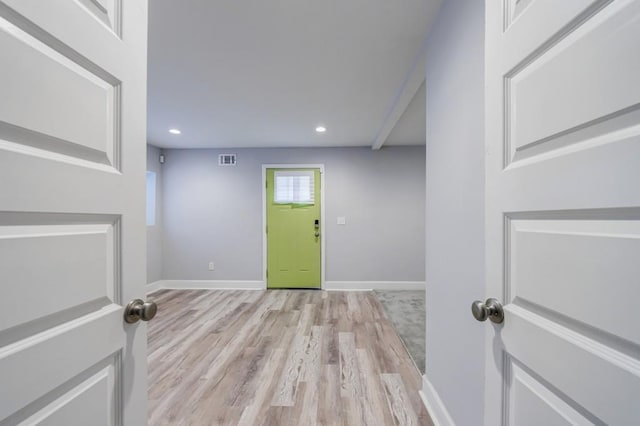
[(455, 208), (214, 213), (154, 233)]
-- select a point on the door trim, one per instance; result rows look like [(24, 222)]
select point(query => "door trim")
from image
[(264, 216)]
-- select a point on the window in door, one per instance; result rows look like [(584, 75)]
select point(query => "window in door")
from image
[(294, 187)]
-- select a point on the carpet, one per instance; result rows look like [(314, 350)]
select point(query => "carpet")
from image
[(406, 311)]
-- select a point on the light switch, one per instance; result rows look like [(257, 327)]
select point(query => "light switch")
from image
[(342, 220)]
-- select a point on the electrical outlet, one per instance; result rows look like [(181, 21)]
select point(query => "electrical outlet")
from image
[(212, 266)]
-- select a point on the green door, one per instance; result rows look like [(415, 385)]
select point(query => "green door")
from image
[(293, 238)]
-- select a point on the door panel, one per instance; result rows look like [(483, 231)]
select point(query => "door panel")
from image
[(293, 250), (72, 231), (563, 211), (107, 11), (535, 25), (84, 404), (74, 272), (544, 119), (31, 111), (528, 396), (597, 378), (553, 261), (38, 366)]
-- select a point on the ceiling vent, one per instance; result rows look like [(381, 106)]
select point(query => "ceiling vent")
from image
[(226, 160)]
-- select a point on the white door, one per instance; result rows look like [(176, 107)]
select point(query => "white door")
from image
[(72, 232), (563, 211)]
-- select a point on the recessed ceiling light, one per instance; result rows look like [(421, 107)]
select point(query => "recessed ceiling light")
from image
[(321, 129), (175, 131)]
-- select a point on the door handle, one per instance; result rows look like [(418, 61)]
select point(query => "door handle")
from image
[(138, 310), (491, 309)]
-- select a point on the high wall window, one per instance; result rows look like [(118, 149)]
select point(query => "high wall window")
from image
[(151, 198)]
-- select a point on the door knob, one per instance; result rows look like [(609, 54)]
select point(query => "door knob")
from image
[(491, 309), (139, 310)]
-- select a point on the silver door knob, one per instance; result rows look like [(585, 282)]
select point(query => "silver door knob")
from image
[(491, 309), (138, 310)]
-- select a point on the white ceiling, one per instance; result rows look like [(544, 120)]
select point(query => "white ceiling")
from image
[(256, 73)]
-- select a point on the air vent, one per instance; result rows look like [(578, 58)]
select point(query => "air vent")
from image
[(227, 160)]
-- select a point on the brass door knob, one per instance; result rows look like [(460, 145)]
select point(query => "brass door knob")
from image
[(138, 310), (491, 309)]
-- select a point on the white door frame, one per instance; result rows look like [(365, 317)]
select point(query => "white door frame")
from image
[(264, 216)]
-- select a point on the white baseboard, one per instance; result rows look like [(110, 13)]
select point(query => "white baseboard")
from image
[(373, 285), (436, 408), (206, 285), (260, 285), (154, 286)]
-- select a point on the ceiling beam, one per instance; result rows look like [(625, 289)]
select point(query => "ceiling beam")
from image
[(408, 90)]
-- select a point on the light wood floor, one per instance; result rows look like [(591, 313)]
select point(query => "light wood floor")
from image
[(281, 357)]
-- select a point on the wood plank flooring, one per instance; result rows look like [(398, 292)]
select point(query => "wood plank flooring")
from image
[(278, 357)]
